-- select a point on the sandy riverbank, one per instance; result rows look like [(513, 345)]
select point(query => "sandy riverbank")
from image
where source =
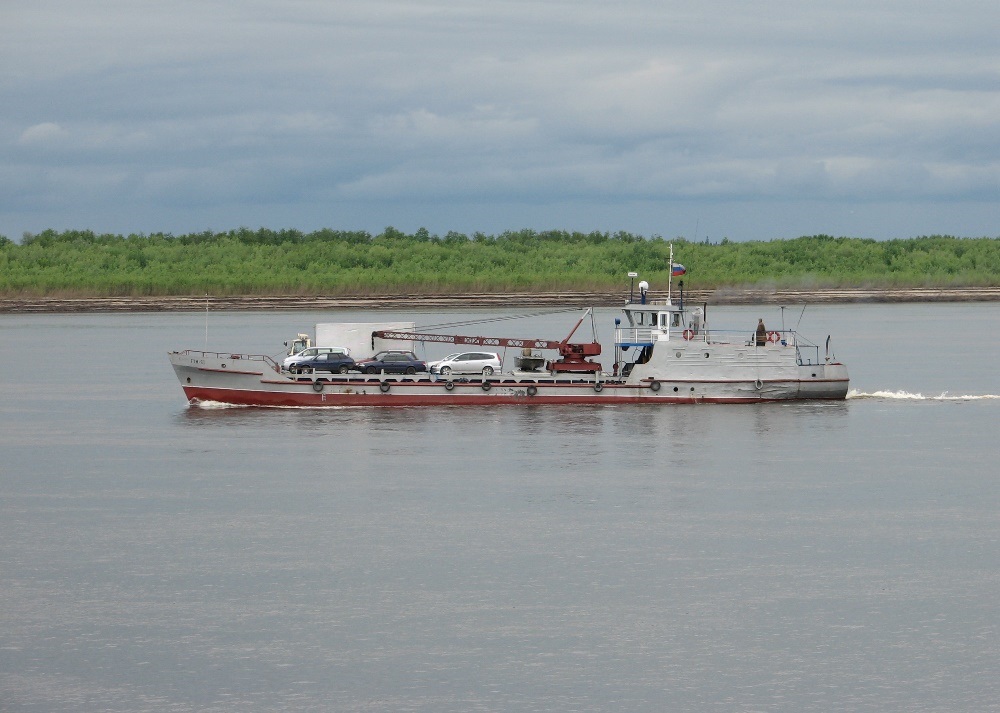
[(15, 305)]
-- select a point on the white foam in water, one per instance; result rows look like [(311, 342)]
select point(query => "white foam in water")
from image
[(906, 396), (209, 405)]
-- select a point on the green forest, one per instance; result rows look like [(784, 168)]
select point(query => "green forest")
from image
[(81, 263)]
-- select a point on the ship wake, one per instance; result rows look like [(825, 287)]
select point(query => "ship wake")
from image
[(907, 396)]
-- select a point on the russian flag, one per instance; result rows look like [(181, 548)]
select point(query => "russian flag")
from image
[(677, 270)]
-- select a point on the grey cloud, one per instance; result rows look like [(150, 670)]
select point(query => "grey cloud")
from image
[(215, 111)]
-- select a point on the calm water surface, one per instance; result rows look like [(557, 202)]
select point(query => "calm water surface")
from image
[(783, 557)]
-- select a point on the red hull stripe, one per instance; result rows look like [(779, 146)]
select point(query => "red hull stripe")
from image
[(232, 371), (312, 399)]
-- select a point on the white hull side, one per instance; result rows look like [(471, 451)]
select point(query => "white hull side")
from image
[(770, 372)]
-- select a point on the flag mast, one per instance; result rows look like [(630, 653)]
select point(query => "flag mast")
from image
[(678, 270), (670, 273)]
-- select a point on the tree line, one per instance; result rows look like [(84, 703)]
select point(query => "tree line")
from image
[(334, 262)]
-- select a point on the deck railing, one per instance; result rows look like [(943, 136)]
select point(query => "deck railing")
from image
[(264, 358), (806, 353), (646, 336)]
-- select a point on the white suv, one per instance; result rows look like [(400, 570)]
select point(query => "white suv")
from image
[(484, 363), (309, 353)]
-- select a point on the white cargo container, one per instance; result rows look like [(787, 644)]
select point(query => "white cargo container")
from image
[(356, 337)]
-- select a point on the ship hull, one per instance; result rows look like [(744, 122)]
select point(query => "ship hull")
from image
[(248, 381)]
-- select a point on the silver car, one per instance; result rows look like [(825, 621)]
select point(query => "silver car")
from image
[(484, 363)]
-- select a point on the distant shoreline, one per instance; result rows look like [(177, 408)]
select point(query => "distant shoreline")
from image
[(721, 296)]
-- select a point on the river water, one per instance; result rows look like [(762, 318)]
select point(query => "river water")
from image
[(781, 557)]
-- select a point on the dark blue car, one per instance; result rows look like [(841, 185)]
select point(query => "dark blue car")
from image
[(333, 362)]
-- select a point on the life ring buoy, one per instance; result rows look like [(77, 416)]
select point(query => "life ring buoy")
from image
[(532, 390), (773, 337), (598, 387), (654, 386), (688, 334), (384, 386), (317, 386), (449, 385), (487, 386)]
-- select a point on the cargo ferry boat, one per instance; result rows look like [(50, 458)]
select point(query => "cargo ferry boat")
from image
[(663, 353)]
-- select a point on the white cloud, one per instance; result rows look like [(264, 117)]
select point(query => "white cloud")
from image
[(46, 133)]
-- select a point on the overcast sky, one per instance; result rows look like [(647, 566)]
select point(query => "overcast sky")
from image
[(770, 119)]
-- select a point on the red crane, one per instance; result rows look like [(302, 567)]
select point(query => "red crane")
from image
[(573, 355)]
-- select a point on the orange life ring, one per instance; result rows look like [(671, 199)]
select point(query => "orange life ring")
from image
[(773, 337), (688, 334)]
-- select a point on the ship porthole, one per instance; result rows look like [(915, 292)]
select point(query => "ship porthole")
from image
[(707, 355), (449, 385), (676, 389), (598, 386), (384, 386), (677, 354), (654, 386), (189, 379), (487, 386), (317, 386), (532, 390)]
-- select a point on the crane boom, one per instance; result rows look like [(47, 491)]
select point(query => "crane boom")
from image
[(573, 354), (460, 339)]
